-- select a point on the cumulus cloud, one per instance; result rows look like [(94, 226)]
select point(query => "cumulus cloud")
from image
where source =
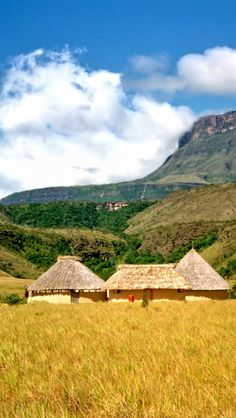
[(61, 124), (213, 72)]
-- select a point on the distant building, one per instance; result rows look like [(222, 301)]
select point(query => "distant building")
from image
[(67, 281), (111, 206)]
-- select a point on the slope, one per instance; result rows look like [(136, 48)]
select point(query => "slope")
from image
[(211, 203), (203, 217), (27, 252)]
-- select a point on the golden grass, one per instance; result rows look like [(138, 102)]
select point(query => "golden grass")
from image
[(10, 285), (106, 360)]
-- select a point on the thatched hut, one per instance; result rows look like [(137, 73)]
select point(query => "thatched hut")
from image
[(67, 281), (157, 282), (205, 282)]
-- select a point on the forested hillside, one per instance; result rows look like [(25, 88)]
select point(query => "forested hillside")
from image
[(141, 233)]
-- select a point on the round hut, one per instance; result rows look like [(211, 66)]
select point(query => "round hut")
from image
[(67, 281), (205, 282), (133, 282)]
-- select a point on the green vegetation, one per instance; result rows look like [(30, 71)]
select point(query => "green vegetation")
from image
[(12, 299), (117, 221), (72, 215), (159, 233), (181, 364), (49, 215), (27, 252)]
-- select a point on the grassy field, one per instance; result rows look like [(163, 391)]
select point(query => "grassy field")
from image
[(10, 285), (106, 360)]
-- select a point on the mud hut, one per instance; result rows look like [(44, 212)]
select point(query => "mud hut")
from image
[(157, 282), (67, 281), (205, 282)]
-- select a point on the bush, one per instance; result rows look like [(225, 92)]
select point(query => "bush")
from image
[(12, 299)]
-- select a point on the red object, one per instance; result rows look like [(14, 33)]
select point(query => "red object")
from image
[(131, 298)]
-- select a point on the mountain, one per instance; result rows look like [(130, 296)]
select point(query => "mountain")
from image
[(206, 155)]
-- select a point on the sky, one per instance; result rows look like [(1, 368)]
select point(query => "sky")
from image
[(95, 92)]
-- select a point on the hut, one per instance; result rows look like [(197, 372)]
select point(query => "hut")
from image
[(157, 282), (205, 282), (67, 281)]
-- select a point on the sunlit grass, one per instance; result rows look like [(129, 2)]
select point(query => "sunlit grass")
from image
[(10, 285), (169, 360)]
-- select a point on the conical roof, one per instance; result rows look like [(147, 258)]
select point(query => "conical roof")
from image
[(199, 273), (146, 276), (68, 273)]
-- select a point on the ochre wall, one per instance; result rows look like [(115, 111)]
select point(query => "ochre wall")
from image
[(124, 294), (203, 294), (167, 294), (155, 294), (83, 297), (51, 298), (88, 297)]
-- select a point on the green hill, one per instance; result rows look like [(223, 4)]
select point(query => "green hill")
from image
[(211, 203), (203, 217)]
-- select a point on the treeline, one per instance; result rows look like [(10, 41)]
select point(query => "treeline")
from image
[(72, 215)]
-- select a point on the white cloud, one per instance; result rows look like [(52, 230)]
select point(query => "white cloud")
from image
[(146, 64), (63, 125), (213, 72)]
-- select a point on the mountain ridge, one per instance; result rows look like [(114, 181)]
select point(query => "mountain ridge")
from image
[(206, 155)]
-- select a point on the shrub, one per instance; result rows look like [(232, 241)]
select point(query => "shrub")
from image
[(12, 299)]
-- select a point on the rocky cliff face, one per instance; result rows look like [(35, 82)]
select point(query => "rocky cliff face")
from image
[(210, 125)]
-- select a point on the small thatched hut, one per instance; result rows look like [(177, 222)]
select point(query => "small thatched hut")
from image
[(67, 281), (205, 282), (157, 282)]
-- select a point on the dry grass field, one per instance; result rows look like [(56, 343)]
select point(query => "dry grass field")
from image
[(118, 360), (10, 285)]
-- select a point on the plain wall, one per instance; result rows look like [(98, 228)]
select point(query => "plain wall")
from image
[(88, 297), (124, 295), (167, 294), (206, 294), (82, 297), (50, 297)]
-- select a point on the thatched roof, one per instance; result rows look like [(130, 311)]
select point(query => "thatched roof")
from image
[(146, 276), (67, 274), (199, 273)]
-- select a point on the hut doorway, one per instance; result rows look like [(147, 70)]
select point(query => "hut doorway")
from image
[(74, 297)]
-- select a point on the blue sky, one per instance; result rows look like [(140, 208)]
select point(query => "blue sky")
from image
[(60, 108), (113, 31)]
